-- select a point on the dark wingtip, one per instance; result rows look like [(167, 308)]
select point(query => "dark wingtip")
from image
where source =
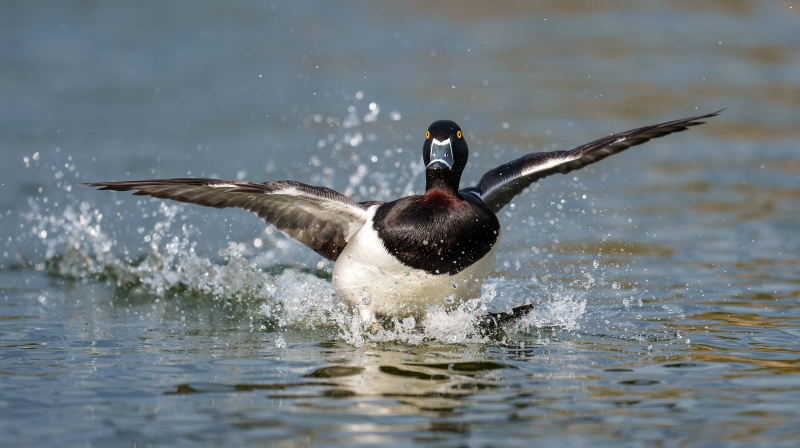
[(712, 114), (105, 186), (94, 184)]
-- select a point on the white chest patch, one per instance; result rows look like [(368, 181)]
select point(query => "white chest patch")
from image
[(372, 281)]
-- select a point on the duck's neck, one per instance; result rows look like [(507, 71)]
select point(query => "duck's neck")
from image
[(442, 180)]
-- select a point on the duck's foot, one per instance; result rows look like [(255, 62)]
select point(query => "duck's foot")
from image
[(494, 320)]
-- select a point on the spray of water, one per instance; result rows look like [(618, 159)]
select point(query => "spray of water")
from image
[(78, 247)]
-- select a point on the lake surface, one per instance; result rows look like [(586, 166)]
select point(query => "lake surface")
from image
[(666, 279)]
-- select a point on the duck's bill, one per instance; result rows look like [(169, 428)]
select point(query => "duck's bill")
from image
[(441, 155)]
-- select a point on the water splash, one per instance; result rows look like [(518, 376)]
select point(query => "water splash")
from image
[(170, 263), (564, 310), (77, 246)]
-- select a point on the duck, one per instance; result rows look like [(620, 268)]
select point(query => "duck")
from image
[(400, 258)]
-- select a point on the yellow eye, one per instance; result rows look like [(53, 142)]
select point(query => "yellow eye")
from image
[(458, 134), (427, 135)]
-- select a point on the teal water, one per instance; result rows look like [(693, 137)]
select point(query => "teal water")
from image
[(666, 278)]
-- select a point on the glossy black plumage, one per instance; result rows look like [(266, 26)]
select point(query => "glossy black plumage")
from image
[(437, 232), (441, 232)]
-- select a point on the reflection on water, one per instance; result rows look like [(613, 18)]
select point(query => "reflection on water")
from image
[(443, 391)]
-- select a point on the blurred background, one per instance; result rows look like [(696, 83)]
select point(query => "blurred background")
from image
[(340, 93)]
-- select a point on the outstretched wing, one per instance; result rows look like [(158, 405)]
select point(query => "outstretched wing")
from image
[(318, 217), (499, 186)]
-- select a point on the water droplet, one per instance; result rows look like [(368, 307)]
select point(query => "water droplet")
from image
[(596, 264)]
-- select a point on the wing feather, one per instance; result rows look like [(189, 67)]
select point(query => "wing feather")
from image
[(318, 217), (500, 185)]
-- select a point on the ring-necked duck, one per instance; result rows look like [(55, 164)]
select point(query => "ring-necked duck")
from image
[(399, 258)]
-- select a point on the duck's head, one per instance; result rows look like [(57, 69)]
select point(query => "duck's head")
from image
[(445, 155)]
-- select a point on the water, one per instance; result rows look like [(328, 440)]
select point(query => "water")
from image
[(666, 278)]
